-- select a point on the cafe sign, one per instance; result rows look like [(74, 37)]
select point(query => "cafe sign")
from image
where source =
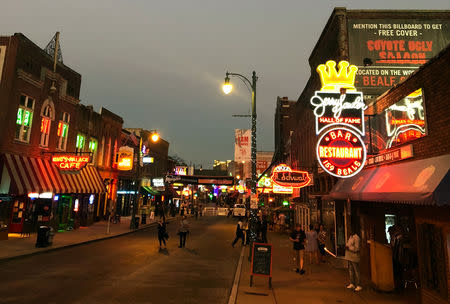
[(283, 175), (70, 162)]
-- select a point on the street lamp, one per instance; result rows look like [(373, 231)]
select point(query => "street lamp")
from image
[(227, 88)]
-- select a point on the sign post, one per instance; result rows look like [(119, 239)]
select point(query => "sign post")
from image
[(261, 262)]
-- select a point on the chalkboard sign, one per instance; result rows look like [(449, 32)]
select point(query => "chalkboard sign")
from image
[(262, 259)]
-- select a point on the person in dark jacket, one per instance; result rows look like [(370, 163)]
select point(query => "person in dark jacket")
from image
[(162, 233), (239, 233), (183, 231)]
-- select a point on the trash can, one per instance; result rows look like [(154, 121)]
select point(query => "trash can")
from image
[(51, 235), (136, 222), (42, 236), (144, 219)]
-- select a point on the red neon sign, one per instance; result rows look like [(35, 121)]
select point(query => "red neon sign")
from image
[(70, 162), (45, 125), (284, 176), (341, 152)]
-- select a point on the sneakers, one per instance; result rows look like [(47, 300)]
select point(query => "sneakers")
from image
[(351, 286), (302, 271), (358, 288), (297, 270)]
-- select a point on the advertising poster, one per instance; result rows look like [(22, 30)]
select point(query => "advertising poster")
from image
[(388, 51), (242, 145)]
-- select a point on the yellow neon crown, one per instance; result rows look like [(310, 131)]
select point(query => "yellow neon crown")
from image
[(333, 80)]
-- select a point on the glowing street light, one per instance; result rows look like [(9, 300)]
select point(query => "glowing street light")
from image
[(227, 87), (155, 137)]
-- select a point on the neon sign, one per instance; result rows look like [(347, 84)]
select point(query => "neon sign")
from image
[(405, 120), (125, 158), (283, 175), (338, 102), (341, 152), (70, 162)]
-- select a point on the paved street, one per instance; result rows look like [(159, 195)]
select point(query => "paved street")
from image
[(130, 269)]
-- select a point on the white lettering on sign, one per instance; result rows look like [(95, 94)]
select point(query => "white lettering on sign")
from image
[(338, 104)]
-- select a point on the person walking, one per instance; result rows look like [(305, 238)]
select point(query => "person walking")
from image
[(162, 233), (183, 231), (239, 233), (352, 255), (321, 238), (298, 237), (312, 247)]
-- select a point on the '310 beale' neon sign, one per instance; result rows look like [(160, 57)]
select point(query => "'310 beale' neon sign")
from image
[(70, 162), (339, 112)]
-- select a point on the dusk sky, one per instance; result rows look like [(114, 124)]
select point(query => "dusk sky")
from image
[(161, 64)]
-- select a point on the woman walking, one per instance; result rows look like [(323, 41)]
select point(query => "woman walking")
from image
[(312, 245), (183, 231), (322, 237), (162, 233)]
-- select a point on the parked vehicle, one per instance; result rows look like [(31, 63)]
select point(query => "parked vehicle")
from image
[(239, 210)]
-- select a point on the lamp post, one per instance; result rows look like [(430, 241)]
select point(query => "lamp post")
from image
[(227, 88)]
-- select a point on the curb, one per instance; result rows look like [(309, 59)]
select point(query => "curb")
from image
[(237, 276), (51, 249)]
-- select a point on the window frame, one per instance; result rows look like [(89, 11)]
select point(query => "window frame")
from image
[(21, 132), (62, 140)]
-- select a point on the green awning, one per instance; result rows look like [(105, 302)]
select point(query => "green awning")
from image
[(150, 190)]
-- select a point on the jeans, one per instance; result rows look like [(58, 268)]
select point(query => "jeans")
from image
[(353, 270), (183, 239), (161, 238), (239, 236)]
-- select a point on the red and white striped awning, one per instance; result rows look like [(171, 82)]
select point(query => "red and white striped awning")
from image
[(87, 180), (34, 175), (39, 175)]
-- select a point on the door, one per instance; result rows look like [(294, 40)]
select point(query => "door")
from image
[(17, 216), (65, 212)]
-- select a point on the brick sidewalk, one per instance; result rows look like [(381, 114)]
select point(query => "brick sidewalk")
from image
[(17, 246), (324, 283)]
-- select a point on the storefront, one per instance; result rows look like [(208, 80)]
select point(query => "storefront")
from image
[(42, 194)]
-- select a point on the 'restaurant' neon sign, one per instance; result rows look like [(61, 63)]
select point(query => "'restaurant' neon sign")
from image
[(339, 111), (70, 162), (341, 152), (283, 175)]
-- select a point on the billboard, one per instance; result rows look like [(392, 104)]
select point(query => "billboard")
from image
[(388, 51), (242, 145)]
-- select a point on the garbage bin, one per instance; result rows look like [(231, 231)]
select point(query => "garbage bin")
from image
[(51, 235), (144, 219), (42, 236), (136, 222)]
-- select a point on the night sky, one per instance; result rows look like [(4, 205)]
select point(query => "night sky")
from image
[(161, 64)]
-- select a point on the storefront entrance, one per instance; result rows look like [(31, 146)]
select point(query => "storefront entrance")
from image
[(17, 215), (64, 213)]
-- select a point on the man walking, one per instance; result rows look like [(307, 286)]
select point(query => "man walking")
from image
[(352, 255), (183, 231), (298, 237), (239, 233)]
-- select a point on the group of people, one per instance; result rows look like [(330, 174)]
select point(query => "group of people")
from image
[(312, 242), (163, 236)]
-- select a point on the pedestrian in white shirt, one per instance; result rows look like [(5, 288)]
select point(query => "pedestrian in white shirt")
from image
[(352, 249)]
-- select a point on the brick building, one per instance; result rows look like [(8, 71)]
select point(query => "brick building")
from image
[(40, 114)]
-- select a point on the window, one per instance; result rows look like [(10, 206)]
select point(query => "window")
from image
[(93, 149), (45, 125), (100, 154), (63, 130), (80, 143), (24, 118)]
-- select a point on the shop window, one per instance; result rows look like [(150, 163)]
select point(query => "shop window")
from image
[(431, 249), (80, 143), (45, 125), (24, 118), (93, 146), (63, 130)]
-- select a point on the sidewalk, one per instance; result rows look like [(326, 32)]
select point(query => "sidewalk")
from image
[(323, 283), (16, 246)]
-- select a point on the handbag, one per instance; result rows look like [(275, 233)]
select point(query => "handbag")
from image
[(166, 236)]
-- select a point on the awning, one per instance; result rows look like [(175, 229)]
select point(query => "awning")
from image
[(34, 175), (39, 175), (150, 190), (423, 182), (87, 180)]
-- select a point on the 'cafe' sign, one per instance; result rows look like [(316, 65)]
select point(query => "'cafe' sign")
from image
[(339, 111), (70, 162)]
